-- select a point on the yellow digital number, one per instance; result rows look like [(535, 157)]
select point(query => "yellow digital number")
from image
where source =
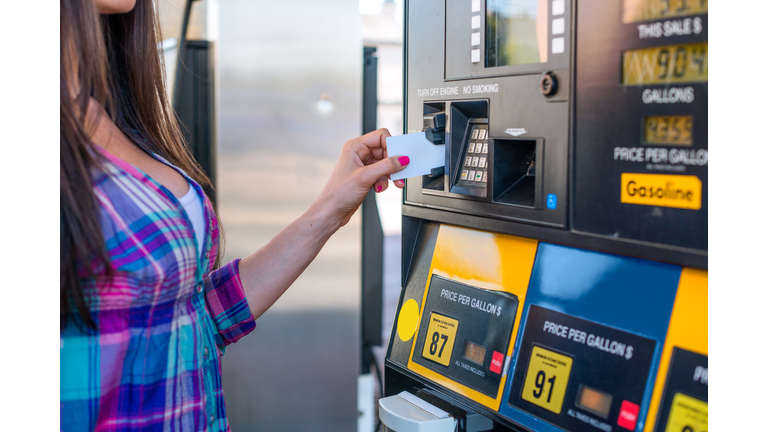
[(441, 334), (672, 130), (547, 379), (687, 414), (671, 64), (643, 10)]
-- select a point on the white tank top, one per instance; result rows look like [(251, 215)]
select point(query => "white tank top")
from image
[(193, 205)]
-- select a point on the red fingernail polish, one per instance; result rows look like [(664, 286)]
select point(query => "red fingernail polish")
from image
[(378, 188), (404, 160)]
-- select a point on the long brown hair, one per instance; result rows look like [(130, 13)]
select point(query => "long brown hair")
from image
[(114, 60)]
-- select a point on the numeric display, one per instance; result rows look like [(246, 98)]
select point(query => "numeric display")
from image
[(671, 64)]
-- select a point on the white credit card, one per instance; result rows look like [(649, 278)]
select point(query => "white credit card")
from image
[(423, 154)]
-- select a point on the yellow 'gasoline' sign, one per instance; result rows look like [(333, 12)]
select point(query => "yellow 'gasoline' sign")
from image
[(664, 190), (547, 379), (441, 334), (687, 414)]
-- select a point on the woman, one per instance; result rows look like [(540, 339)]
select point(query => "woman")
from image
[(146, 311)]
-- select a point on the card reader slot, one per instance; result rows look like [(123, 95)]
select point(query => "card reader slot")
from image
[(434, 125)]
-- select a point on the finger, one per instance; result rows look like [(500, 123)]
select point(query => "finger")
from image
[(381, 184), (375, 140), (371, 173), (367, 155), (399, 183)]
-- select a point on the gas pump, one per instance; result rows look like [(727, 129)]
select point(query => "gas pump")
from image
[(555, 271)]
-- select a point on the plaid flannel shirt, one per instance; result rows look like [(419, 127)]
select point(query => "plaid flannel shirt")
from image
[(163, 319)]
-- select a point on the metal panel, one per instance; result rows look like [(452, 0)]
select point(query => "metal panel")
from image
[(290, 97)]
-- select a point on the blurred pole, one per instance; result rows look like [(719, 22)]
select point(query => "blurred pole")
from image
[(373, 264), (373, 235)]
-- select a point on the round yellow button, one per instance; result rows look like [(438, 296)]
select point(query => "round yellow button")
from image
[(407, 320)]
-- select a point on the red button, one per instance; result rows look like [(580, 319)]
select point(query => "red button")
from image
[(628, 415), (496, 362)]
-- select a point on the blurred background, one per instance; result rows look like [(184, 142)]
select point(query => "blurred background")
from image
[(267, 93)]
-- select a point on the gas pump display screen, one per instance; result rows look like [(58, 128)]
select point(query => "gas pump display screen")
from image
[(464, 333), (474, 352), (665, 65), (644, 10), (642, 88), (516, 32)]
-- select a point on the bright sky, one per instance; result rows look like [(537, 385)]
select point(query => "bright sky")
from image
[(372, 7)]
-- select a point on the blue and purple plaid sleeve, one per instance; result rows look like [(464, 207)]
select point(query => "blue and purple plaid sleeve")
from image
[(227, 304)]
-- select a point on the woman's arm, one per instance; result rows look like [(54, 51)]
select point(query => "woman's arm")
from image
[(267, 273)]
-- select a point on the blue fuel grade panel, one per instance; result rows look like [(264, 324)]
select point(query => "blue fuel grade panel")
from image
[(588, 306)]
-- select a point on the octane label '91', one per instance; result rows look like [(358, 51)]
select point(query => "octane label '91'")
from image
[(547, 379)]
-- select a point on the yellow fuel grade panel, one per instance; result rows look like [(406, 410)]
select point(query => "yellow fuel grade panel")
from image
[(688, 414), (483, 260), (687, 332)]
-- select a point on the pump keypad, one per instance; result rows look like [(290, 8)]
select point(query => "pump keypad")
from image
[(474, 169)]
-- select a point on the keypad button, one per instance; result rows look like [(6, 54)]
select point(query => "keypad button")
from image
[(482, 134), (485, 177), (471, 176), (471, 148), (479, 176), (464, 174), (475, 160), (468, 161), (481, 164), (485, 148), (474, 133)]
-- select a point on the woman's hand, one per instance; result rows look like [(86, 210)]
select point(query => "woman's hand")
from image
[(363, 164)]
